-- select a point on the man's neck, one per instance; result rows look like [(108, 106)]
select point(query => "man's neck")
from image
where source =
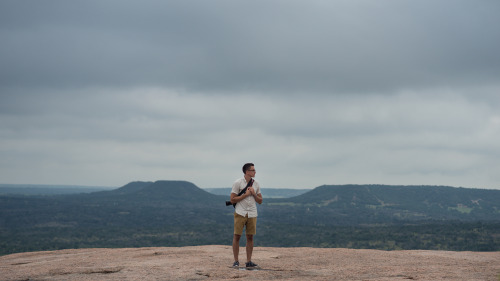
[(248, 178)]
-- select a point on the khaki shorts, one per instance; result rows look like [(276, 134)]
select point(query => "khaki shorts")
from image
[(241, 221)]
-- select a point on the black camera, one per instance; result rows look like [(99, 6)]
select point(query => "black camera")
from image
[(228, 203)]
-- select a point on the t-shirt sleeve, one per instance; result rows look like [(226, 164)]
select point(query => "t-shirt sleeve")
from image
[(235, 189)]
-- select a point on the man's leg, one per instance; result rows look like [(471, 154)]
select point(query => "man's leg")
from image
[(236, 246), (250, 232), (239, 223), (249, 247)]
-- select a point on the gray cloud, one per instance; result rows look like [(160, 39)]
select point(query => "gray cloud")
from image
[(286, 46), (424, 138), (105, 92)]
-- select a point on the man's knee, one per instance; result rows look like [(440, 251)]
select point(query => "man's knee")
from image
[(249, 237), (237, 237)]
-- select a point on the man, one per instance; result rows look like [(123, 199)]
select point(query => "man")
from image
[(245, 213)]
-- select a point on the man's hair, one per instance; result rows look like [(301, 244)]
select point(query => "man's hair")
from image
[(246, 167)]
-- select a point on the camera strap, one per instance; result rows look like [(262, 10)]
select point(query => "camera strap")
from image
[(244, 190)]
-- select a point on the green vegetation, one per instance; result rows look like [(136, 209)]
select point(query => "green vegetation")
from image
[(176, 213), (444, 236), (462, 209), (289, 204), (449, 236)]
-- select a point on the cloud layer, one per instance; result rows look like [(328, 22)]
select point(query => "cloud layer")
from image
[(317, 92)]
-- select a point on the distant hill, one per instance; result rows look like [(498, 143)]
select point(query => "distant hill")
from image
[(266, 192), (164, 192), (37, 189), (132, 187), (367, 204), (177, 213), (174, 202)]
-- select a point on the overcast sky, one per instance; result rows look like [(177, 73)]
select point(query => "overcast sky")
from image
[(312, 92)]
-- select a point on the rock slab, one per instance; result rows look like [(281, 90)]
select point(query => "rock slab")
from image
[(213, 263)]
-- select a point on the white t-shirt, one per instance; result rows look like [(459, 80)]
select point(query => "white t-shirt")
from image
[(247, 205)]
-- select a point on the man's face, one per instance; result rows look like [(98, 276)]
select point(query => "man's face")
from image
[(251, 171)]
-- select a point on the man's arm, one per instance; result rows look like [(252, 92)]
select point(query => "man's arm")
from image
[(235, 198)]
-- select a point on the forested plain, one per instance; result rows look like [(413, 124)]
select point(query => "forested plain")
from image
[(178, 213)]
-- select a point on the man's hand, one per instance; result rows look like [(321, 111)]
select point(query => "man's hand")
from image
[(251, 190), (248, 193)]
